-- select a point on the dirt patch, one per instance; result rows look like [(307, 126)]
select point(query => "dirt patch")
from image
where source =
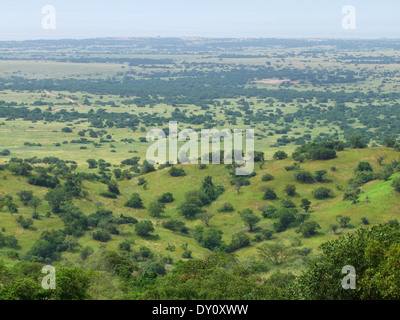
[(65, 98)]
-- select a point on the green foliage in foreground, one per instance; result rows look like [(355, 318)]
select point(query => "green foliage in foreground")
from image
[(219, 276), (24, 283), (374, 252), (375, 255)]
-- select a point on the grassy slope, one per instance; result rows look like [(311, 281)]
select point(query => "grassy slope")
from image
[(382, 204)]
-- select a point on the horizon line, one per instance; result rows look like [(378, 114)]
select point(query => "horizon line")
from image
[(188, 38)]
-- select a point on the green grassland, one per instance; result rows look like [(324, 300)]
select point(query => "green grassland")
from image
[(378, 202), (381, 206)]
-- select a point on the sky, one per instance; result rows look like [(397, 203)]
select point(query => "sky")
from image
[(22, 19)]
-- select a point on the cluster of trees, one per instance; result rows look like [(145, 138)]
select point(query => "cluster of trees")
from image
[(318, 151), (23, 282), (195, 200)]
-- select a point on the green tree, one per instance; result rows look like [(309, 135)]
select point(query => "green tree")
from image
[(351, 195), (166, 198), (209, 189), (280, 155), (249, 218), (304, 176), (57, 198), (210, 238), (373, 252), (389, 141), (113, 187), (305, 204), (72, 283), (275, 253), (92, 163), (290, 190), (269, 194), (288, 203), (364, 166), (380, 158), (134, 201), (396, 184), (322, 193), (308, 228), (156, 209), (205, 217), (357, 142), (35, 202), (147, 167), (386, 173), (269, 212), (176, 172), (25, 196), (267, 177), (334, 227), (239, 240), (319, 175), (343, 220), (189, 209), (144, 228)]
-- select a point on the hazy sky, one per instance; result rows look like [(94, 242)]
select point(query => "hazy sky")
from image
[(22, 19)]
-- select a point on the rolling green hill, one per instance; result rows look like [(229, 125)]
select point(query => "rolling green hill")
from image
[(378, 203)]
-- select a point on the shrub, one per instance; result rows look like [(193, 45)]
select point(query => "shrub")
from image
[(24, 223), (249, 218), (308, 228), (351, 194), (267, 177), (187, 254), (267, 234), (305, 204), (364, 221), (364, 166), (144, 228), (25, 196), (113, 187), (362, 178), (176, 172), (290, 190), (270, 212), (125, 245), (322, 193), (108, 194), (321, 154), (269, 194), (210, 239), (343, 220), (66, 130), (304, 176), (147, 167), (101, 236), (175, 225), (5, 152), (166, 198), (141, 181), (190, 209), (239, 240), (287, 203), (226, 207), (280, 155), (156, 209), (287, 219), (319, 175), (294, 166), (134, 201)]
